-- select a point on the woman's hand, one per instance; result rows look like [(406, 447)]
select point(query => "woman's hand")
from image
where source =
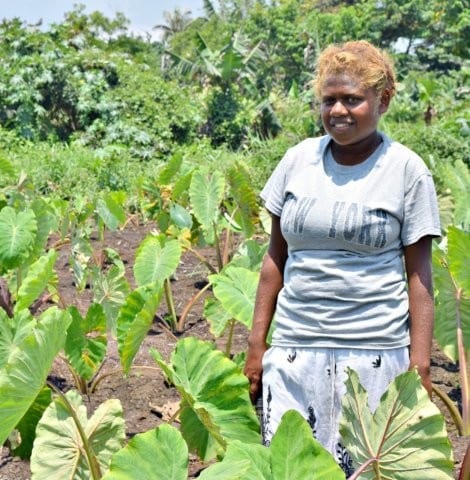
[(254, 368)]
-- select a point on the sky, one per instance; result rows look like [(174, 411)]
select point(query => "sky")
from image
[(143, 14)]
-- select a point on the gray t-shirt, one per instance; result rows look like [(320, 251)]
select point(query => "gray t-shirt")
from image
[(345, 226)]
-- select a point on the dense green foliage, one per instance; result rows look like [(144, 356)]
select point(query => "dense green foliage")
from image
[(98, 127)]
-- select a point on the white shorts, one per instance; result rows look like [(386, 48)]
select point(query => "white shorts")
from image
[(311, 381)]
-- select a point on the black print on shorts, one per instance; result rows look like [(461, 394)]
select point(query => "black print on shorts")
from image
[(291, 357), (265, 428), (377, 362), (312, 420), (344, 460)]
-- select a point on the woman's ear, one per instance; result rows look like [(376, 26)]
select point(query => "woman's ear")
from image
[(385, 98)]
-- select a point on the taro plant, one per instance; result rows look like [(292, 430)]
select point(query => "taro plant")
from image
[(234, 292), (223, 204), (28, 347), (215, 407), (293, 453), (451, 267), (234, 297), (157, 258), (163, 446), (68, 444), (26, 271), (85, 346), (404, 438)]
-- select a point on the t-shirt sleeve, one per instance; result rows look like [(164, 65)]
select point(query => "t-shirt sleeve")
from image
[(421, 211), (273, 192)]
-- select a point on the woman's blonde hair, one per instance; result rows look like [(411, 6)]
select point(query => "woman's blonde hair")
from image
[(371, 66)]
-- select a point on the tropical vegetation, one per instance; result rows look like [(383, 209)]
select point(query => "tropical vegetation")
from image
[(100, 127)]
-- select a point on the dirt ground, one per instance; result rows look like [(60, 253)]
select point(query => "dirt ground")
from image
[(146, 398)]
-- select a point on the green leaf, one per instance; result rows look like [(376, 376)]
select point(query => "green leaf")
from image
[(244, 198), (216, 315), (235, 288), (206, 193), (135, 318), (458, 251), (85, 347), (215, 407), (25, 373), (17, 236), (406, 434), (296, 454), (242, 463), (36, 281), (13, 332), (58, 451), (160, 453), (293, 454), (180, 216), (7, 168), (109, 210), (156, 260), (452, 299), (27, 425), (110, 291), (46, 219), (171, 169)]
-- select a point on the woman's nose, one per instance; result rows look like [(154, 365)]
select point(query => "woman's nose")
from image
[(338, 109)]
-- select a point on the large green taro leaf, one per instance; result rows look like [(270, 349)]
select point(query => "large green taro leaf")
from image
[(206, 194), (296, 454), (58, 451), (405, 439), (235, 288), (215, 406), (452, 285), (25, 373), (293, 454), (110, 291), (17, 236), (110, 210), (12, 333), (36, 281), (27, 425), (86, 342), (134, 320), (159, 454), (156, 259)]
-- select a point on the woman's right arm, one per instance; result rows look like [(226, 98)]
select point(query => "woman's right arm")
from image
[(270, 283)]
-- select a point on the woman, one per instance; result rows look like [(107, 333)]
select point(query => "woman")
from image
[(347, 276)]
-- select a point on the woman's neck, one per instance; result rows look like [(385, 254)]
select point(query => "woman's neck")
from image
[(357, 152)]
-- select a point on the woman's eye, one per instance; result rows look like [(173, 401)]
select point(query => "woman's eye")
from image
[(353, 100)]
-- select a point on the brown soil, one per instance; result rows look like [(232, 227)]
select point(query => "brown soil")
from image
[(145, 397)]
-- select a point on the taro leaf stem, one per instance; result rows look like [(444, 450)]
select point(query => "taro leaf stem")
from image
[(189, 305), (228, 346), (463, 368), (361, 469), (90, 455), (453, 410), (170, 303)]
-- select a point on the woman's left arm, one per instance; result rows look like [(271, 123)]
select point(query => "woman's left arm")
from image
[(421, 306)]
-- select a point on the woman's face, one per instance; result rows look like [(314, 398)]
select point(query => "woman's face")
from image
[(350, 113)]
